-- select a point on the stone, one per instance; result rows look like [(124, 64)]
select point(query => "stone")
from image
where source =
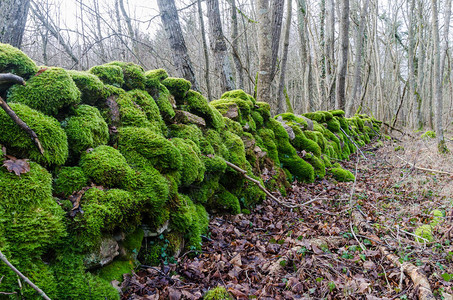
[(185, 117), (151, 233), (102, 255)]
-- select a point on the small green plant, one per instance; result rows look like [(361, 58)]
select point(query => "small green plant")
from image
[(331, 285), (428, 135)]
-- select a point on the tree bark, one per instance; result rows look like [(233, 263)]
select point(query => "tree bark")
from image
[(277, 20), (330, 56), (264, 52), (344, 42), (437, 79), (358, 62), (420, 68), (281, 84), (205, 51), (235, 44), (13, 17), (410, 58), (181, 59), (219, 47)]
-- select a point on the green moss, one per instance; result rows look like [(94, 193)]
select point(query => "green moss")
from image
[(153, 76), (438, 216), (92, 89), (213, 137), (49, 92), (235, 146), (240, 94), (191, 132), (203, 192), (162, 154), (224, 201), (69, 180), (30, 218), (198, 105), (85, 129), (243, 106), (105, 166), (259, 121), (134, 75), (287, 155), (428, 135), (293, 118), (264, 109), (301, 142), (316, 116), (75, 283), (268, 139), (105, 211), (337, 113), (12, 60), (133, 115), (425, 232), (178, 87), (109, 74), (342, 175), (115, 270), (317, 163), (192, 166), (218, 293), (333, 125), (214, 164), (250, 194), (52, 137), (150, 108)]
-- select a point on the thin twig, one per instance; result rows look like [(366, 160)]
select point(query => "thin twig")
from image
[(424, 169), (40, 292)]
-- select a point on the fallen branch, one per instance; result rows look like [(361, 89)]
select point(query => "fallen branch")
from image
[(420, 281), (352, 141), (396, 129), (244, 173), (40, 292), (424, 169), (8, 77)]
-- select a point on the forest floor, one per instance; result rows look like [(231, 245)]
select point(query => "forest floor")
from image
[(320, 250)]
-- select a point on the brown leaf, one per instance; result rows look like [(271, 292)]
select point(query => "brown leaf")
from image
[(18, 166), (42, 70), (174, 294)]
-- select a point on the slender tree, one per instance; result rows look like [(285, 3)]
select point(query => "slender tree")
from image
[(358, 61), (437, 80), (281, 84), (205, 50), (235, 45), (13, 17), (264, 52), (277, 20), (181, 59), (330, 49), (219, 47), (344, 46)]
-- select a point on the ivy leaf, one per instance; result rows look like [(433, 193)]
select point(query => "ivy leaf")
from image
[(18, 166)]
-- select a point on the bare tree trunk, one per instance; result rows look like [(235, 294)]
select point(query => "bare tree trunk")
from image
[(437, 79), (277, 20), (13, 17), (205, 51), (235, 44), (130, 29), (330, 56), (358, 62), (305, 55), (219, 47), (264, 52), (421, 69), (53, 30), (170, 20), (410, 58), (344, 40), (99, 38), (120, 29), (281, 84)]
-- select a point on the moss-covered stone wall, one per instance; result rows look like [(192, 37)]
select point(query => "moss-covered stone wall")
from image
[(134, 163)]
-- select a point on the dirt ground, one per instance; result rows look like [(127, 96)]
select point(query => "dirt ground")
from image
[(319, 249)]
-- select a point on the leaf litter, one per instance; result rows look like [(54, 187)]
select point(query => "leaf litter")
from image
[(314, 252)]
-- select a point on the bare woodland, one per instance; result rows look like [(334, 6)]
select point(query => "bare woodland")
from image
[(388, 58)]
